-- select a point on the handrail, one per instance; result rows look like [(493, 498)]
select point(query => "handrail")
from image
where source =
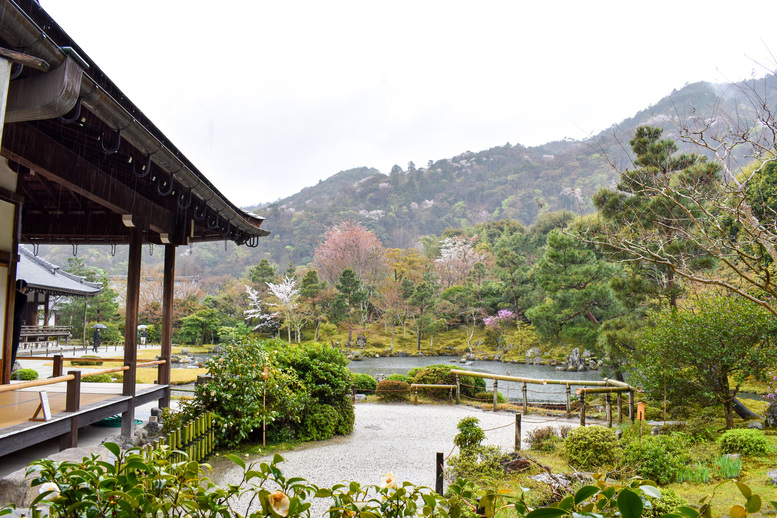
[(155, 362), (606, 383), (86, 374), (35, 383)]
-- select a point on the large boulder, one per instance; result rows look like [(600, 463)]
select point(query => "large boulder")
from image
[(770, 417)]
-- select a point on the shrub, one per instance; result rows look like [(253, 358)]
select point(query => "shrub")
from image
[(105, 377), (86, 363), (545, 438), (670, 502), (470, 434), (744, 441), (399, 377), (440, 374), (590, 447), (25, 375), (346, 417), (318, 423), (477, 463), (364, 383), (657, 457), (488, 397), (564, 430), (393, 391)]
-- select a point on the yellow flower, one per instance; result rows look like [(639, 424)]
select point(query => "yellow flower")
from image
[(388, 481), (49, 486), (279, 502)]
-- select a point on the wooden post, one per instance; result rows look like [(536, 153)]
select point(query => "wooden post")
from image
[(450, 397), (130, 328), (416, 397), (582, 409), (72, 404), (439, 480), (619, 401), (631, 405), (458, 390), (517, 432), (353, 394), (58, 365), (496, 394), (525, 399), (608, 405), (168, 289), (569, 399)]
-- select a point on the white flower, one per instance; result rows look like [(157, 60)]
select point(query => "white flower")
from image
[(49, 486), (388, 481), (279, 503)]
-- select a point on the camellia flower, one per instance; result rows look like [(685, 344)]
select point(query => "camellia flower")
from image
[(279, 502), (49, 486), (388, 481)]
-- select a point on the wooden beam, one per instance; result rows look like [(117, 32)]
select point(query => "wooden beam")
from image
[(27, 146), (168, 288), (131, 327)]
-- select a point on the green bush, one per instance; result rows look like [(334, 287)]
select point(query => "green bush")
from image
[(745, 441), (98, 378), (590, 447), (481, 462), (440, 374), (470, 434), (318, 423), (393, 391), (364, 383), (25, 375), (488, 397), (86, 363), (399, 377), (544, 438), (657, 457), (669, 502), (346, 417)]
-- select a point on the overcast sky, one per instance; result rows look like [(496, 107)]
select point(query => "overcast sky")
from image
[(268, 97)]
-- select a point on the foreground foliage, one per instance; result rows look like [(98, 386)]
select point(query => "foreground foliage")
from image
[(148, 482)]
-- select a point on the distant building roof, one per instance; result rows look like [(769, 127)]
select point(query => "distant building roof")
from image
[(45, 277)]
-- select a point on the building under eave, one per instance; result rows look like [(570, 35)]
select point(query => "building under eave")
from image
[(81, 164)]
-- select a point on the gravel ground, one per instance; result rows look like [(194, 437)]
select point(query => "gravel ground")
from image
[(400, 438)]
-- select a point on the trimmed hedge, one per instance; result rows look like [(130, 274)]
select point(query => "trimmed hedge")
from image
[(25, 375), (440, 374)]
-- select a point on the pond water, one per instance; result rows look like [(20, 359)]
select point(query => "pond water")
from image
[(512, 391)]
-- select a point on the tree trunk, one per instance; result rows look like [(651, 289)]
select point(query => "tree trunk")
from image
[(744, 412), (728, 406)]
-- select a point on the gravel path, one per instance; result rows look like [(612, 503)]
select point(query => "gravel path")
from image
[(400, 438)]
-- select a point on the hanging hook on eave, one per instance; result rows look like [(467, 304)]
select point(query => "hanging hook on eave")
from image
[(144, 170), (253, 241), (151, 249), (76, 115), (113, 249), (115, 147), (168, 185), (16, 73), (200, 212), (184, 199), (75, 249), (35, 249), (214, 224)]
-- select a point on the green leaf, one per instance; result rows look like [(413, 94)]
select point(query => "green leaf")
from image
[(651, 491), (753, 504), (565, 503), (113, 448), (277, 459), (584, 493), (688, 511), (744, 489), (237, 460), (629, 504), (546, 512)]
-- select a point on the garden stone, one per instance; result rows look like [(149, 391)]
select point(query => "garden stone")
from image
[(587, 354), (534, 351), (772, 476), (755, 425), (561, 368), (175, 359), (361, 397), (216, 349), (574, 359), (582, 368), (537, 361), (361, 341), (356, 356), (733, 456), (771, 416)]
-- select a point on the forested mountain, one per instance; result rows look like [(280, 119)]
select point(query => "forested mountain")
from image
[(506, 181)]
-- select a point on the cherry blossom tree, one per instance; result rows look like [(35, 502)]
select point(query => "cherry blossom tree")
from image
[(457, 259), (256, 315), (351, 245), (286, 295)]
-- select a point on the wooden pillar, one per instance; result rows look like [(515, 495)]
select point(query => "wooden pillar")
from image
[(582, 409), (130, 328), (569, 399), (525, 399), (619, 400), (631, 406), (458, 390), (438, 486), (496, 394), (47, 301), (168, 286), (58, 363), (517, 432), (72, 404), (608, 406)]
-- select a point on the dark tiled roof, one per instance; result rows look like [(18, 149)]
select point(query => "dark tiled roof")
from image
[(43, 276)]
